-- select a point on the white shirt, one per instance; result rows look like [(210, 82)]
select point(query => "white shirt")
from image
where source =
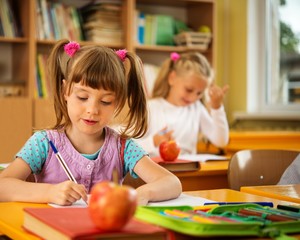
[(186, 122), (292, 174)]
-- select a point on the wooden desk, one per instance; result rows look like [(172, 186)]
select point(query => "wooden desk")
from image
[(11, 219), (289, 193), (11, 213), (211, 175)]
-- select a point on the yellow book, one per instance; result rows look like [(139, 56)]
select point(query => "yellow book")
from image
[(43, 76)]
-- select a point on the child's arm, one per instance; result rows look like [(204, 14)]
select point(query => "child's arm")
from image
[(163, 135), (160, 183), (13, 187)]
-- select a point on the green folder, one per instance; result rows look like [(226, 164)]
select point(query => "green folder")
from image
[(251, 226)]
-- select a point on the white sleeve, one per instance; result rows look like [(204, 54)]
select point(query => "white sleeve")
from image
[(214, 126), (292, 174), (153, 127)]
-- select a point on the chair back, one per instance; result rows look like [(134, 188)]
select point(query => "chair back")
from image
[(258, 167)]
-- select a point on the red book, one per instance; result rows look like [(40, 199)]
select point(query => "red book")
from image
[(75, 223), (178, 165)]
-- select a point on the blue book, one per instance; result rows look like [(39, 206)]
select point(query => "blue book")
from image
[(141, 28)]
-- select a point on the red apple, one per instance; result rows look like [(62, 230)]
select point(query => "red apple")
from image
[(169, 150), (112, 205)]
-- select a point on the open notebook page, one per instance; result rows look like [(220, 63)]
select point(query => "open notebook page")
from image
[(202, 157), (183, 199)]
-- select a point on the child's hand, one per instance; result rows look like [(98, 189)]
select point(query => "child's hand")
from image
[(162, 136), (66, 193), (216, 95)]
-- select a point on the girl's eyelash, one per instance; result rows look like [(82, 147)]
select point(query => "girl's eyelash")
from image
[(105, 103), (82, 98), (102, 102)]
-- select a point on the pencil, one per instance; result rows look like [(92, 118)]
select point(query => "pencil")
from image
[(266, 215), (268, 204), (63, 164)]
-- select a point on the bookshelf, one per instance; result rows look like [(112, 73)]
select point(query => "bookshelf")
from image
[(23, 113)]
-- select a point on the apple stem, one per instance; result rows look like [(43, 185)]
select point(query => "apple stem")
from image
[(115, 176)]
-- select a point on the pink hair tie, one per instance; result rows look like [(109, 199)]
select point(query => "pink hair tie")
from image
[(174, 56), (121, 54), (71, 48)]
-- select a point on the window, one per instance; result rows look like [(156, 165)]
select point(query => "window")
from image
[(273, 83)]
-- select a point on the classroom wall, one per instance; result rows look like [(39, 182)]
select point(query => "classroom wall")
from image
[(232, 53)]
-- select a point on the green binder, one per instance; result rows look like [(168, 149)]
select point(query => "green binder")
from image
[(164, 30)]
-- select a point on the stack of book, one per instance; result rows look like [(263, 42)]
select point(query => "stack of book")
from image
[(103, 22)]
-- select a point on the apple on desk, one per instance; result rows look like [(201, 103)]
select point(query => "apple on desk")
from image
[(169, 150), (112, 205)]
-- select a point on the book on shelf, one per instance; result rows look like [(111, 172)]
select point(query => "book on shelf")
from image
[(75, 223), (10, 25), (155, 29), (46, 19), (43, 88), (178, 165), (140, 26), (163, 30), (148, 30), (56, 20)]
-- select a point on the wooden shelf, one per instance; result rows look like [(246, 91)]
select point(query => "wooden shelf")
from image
[(168, 48), (13, 40), (18, 58)]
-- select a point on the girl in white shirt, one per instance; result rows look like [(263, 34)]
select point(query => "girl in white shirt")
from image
[(175, 110)]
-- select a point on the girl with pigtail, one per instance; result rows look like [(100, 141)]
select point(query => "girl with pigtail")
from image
[(175, 110), (90, 88)]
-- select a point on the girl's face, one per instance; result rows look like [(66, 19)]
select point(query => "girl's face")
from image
[(186, 89), (90, 110)]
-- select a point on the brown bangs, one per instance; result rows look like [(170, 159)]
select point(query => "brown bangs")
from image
[(100, 71)]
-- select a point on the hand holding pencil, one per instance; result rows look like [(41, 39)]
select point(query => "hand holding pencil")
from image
[(67, 192)]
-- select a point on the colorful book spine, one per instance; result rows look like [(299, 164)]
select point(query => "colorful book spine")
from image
[(148, 29), (46, 20), (140, 27)]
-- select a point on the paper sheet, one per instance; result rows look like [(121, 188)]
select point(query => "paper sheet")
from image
[(78, 204), (202, 157), (3, 165), (183, 199)]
